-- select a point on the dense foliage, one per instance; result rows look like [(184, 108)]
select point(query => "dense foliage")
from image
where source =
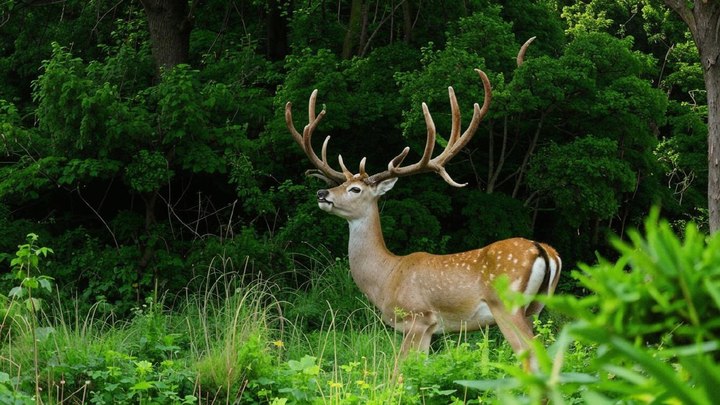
[(140, 166), (145, 142)]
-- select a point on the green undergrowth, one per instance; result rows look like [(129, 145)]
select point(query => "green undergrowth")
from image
[(646, 333)]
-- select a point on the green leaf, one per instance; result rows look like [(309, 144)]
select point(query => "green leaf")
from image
[(713, 289), (16, 292), (45, 283), (487, 385), (577, 378), (596, 398), (31, 283), (33, 304), (634, 377), (43, 332), (144, 367), (664, 373), (142, 386), (690, 350)]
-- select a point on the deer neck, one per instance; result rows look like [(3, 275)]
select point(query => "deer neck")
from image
[(370, 261)]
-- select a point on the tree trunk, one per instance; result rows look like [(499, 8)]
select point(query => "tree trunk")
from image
[(528, 154), (407, 22), (352, 35), (276, 22), (712, 85), (495, 169), (169, 24), (703, 19), (707, 39)]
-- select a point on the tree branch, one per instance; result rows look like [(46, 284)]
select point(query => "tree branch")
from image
[(97, 214), (686, 14)]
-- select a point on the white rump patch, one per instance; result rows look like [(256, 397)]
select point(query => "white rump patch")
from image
[(554, 266), (537, 274)]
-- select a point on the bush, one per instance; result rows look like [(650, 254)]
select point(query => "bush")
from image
[(653, 317)]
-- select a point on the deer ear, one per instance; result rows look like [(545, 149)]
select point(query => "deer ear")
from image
[(385, 186)]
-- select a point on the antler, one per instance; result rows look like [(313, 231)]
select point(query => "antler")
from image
[(454, 144), (521, 53), (324, 171)]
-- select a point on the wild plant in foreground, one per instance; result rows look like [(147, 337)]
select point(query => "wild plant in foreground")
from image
[(649, 327), (25, 267), (229, 326)]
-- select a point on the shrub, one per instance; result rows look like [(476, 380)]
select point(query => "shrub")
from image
[(653, 317)]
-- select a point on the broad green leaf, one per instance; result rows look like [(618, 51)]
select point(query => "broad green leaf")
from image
[(45, 283), (33, 304), (16, 292), (31, 283), (142, 386)]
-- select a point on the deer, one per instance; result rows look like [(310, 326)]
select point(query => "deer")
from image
[(422, 294)]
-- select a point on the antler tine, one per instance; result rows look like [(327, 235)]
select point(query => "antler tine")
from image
[(455, 111), (289, 123), (455, 142), (523, 49), (446, 176), (461, 141), (397, 160), (394, 169), (430, 140), (323, 151), (311, 106), (346, 173), (362, 167), (305, 140)]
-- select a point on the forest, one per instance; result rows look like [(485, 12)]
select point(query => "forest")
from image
[(161, 243)]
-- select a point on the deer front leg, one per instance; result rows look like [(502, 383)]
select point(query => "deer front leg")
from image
[(417, 333)]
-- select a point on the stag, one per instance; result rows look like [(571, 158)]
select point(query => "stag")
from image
[(421, 294)]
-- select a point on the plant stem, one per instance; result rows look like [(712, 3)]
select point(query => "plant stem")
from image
[(36, 361)]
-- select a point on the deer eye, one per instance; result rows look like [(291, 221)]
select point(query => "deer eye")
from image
[(355, 190)]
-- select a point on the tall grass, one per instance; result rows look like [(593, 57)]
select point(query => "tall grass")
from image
[(226, 342), (237, 339), (231, 325)]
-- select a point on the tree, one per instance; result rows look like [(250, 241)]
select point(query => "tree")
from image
[(169, 24), (703, 19)]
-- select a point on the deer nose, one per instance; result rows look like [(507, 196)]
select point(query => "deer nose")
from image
[(321, 194)]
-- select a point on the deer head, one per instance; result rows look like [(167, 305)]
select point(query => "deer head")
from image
[(354, 193)]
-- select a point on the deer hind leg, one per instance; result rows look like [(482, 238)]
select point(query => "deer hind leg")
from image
[(518, 331)]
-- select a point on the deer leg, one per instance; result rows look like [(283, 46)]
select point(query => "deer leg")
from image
[(417, 333), (517, 330)]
